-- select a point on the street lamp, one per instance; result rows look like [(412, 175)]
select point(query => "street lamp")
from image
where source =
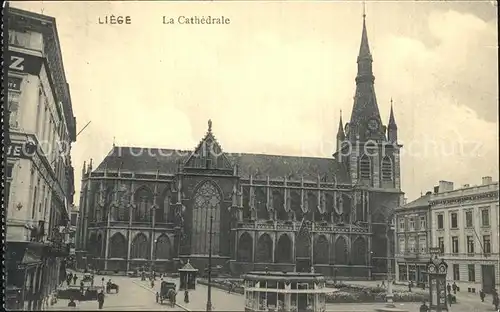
[(389, 295), (209, 292)]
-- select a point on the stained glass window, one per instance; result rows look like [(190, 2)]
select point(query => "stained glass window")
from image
[(206, 203)]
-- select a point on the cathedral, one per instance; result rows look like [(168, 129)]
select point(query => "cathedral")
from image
[(157, 208)]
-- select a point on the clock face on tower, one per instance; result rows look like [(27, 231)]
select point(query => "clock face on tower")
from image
[(431, 268), (346, 128), (372, 124), (442, 269)]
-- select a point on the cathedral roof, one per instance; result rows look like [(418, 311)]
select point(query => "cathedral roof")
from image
[(260, 166)]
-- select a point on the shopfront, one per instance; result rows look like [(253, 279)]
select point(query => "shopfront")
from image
[(24, 271), (415, 272)]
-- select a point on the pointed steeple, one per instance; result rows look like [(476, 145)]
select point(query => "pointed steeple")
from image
[(340, 132), (365, 59), (392, 121), (392, 128), (365, 120)]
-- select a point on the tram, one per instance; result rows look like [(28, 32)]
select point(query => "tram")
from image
[(285, 292)]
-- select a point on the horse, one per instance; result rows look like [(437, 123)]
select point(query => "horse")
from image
[(171, 295)]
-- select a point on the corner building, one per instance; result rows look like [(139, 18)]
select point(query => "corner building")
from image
[(465, 226), (151, 207), (39, 173)]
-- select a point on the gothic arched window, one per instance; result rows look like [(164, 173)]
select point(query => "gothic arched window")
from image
[(206, 203), (139, 247), (163, 247), (365, 168), (118, 246), (143, 202), (387, 169)]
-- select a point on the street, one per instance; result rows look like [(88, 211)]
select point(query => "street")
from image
[(137, 295)]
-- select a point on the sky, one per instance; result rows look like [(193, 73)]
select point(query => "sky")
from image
[(275, 79)]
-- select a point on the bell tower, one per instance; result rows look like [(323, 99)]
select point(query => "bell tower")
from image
[(368, 148)]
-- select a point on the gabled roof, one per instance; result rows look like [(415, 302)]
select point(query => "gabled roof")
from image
[(188, 267)]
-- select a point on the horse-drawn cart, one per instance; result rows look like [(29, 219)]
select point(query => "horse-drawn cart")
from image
[(112, 286), (167, 292)]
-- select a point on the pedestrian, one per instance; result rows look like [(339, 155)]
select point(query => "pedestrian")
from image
[(450, 297), (424, 307), (409, 286), (454, 288), (186, 296), (100, 299), (152, 283), (102, 282), (72, 303), (495, 301), (81, 287), (68, 280), (383, 283), (448, 288), (74, 279), (481, 295)]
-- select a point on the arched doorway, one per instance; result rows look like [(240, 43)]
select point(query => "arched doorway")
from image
[(245, 249), (264, 252), (284, 249)]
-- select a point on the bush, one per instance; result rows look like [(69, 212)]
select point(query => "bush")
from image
[(354, 293)]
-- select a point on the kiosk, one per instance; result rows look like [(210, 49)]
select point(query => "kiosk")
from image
[(187, 275), (285, 292)]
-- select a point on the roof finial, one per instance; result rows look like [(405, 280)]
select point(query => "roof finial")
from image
[(210, 125), (391, 101), (114, 142)]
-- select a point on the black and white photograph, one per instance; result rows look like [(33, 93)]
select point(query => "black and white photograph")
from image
[(251, 156)]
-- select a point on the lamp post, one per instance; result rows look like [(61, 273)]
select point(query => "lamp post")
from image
[(209, 291), (389, 295)]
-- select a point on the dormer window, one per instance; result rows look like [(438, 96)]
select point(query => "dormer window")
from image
[(365, 170)]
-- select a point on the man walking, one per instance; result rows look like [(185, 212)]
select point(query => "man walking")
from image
[(100, 299)]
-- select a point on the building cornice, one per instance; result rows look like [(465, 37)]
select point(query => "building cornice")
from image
[(479, 198)]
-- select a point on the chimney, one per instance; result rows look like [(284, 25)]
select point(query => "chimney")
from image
[(436, 189), (428, 193), (487, 180), (405, 201), (466, 186), (445, 186)]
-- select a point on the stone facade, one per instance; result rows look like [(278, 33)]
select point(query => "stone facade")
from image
[(413, 239), (152, 207), (465, 225), (39, 184)]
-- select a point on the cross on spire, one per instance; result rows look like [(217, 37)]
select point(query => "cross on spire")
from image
[(210, 125)]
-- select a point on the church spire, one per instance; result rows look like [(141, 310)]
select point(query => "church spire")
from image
[(392, 120), (365, 123), (340, 132), (392, 128), (364, 57)]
